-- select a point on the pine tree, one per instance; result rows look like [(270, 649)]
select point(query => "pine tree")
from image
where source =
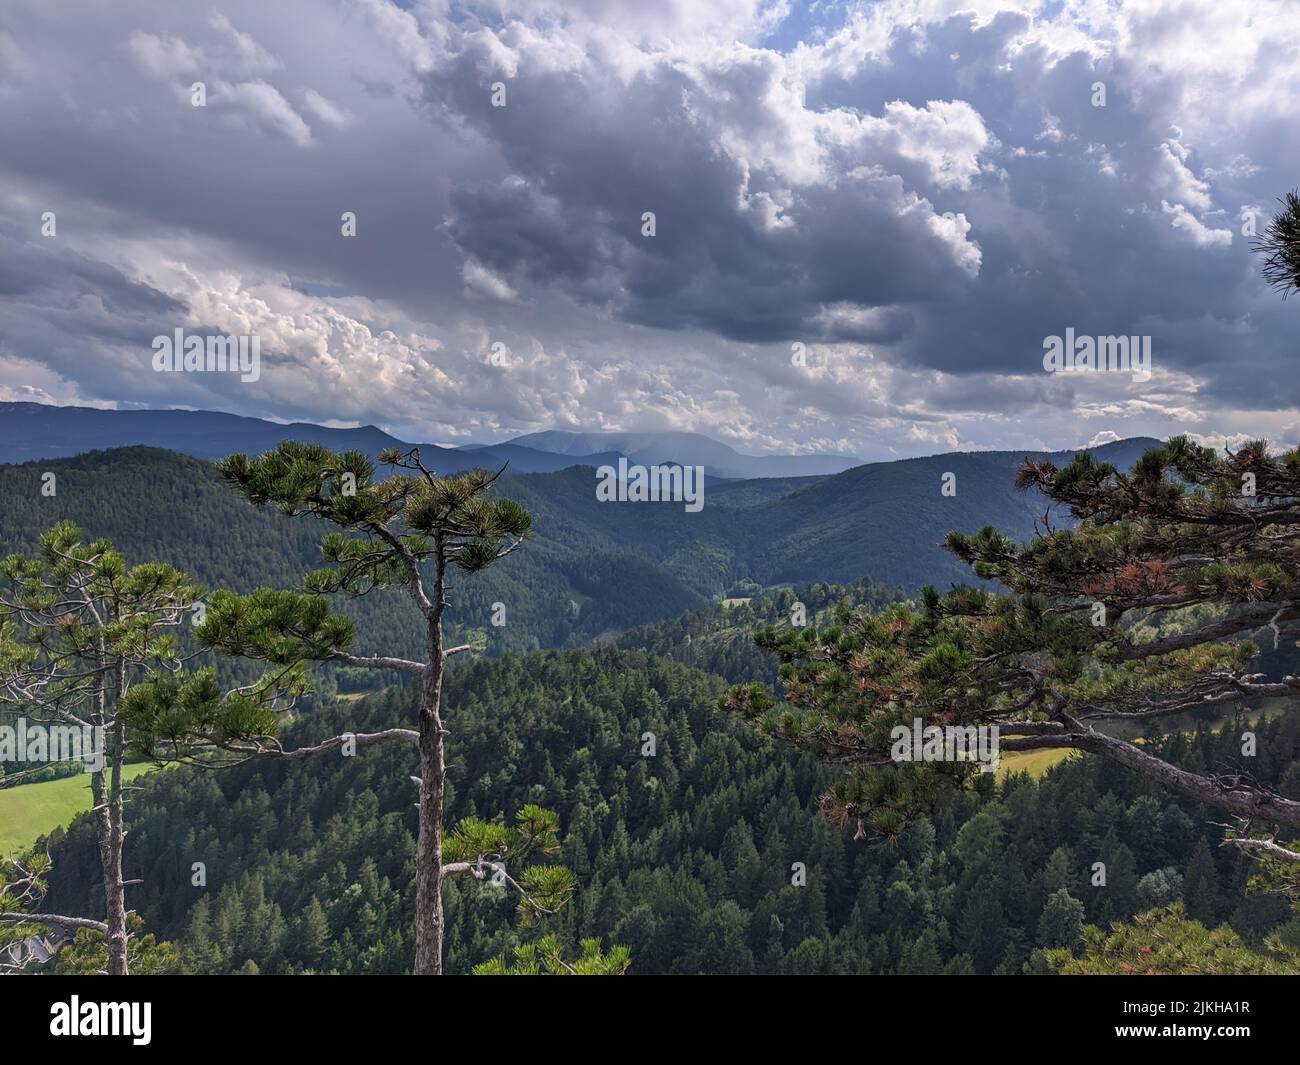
[(984, 928), (1187, 536), (1201, 886), (79, 628), (390, 532), (1167, 942), (1280, 246), (1061, 922), (545, 958), (920, 958), (1077, 632)]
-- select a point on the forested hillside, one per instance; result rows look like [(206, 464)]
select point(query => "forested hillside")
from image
[(592, 568), (571, 585), (711, 855), (41, 431), (719, 638), (687, 856)]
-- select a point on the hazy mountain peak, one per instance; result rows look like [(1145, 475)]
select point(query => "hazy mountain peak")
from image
[(696, 449)]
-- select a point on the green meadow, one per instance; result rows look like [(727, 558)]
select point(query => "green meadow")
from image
[(29, 811)]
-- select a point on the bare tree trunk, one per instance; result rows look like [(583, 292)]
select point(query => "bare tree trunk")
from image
[(108, 814), (433, 769), (106, 787), (428, 851), (114, 887)]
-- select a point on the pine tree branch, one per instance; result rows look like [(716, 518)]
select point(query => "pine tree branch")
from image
[(1254, 617), (54, 920), (1263, 848), (483, 868), (403, 665), (1230, 793), (414, 581), (334, 743), (1028, 728)]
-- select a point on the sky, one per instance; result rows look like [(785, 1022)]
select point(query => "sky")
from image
[(867, 217)]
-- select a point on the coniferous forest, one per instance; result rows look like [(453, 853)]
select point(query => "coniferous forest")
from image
[(684, 857), (685, 852)]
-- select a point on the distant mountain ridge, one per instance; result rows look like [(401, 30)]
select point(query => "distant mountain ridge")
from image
[(591, 569), (718, 459), (32, 431), (884, 520)]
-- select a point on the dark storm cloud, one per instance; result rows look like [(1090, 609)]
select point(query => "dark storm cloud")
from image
[(92, 324), (1074, 213), (1066, 243), (588, 156), (57, 275), (70, 305)]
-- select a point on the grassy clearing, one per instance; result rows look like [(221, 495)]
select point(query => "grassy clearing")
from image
[(29, 811), (1035, 763)]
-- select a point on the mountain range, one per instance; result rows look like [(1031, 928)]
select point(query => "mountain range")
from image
[(592, 569), (30, 431)]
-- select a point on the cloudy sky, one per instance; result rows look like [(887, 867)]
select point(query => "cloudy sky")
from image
[(917, 192)]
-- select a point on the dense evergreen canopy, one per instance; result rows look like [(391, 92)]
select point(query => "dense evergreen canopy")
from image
[(1139, 612)]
